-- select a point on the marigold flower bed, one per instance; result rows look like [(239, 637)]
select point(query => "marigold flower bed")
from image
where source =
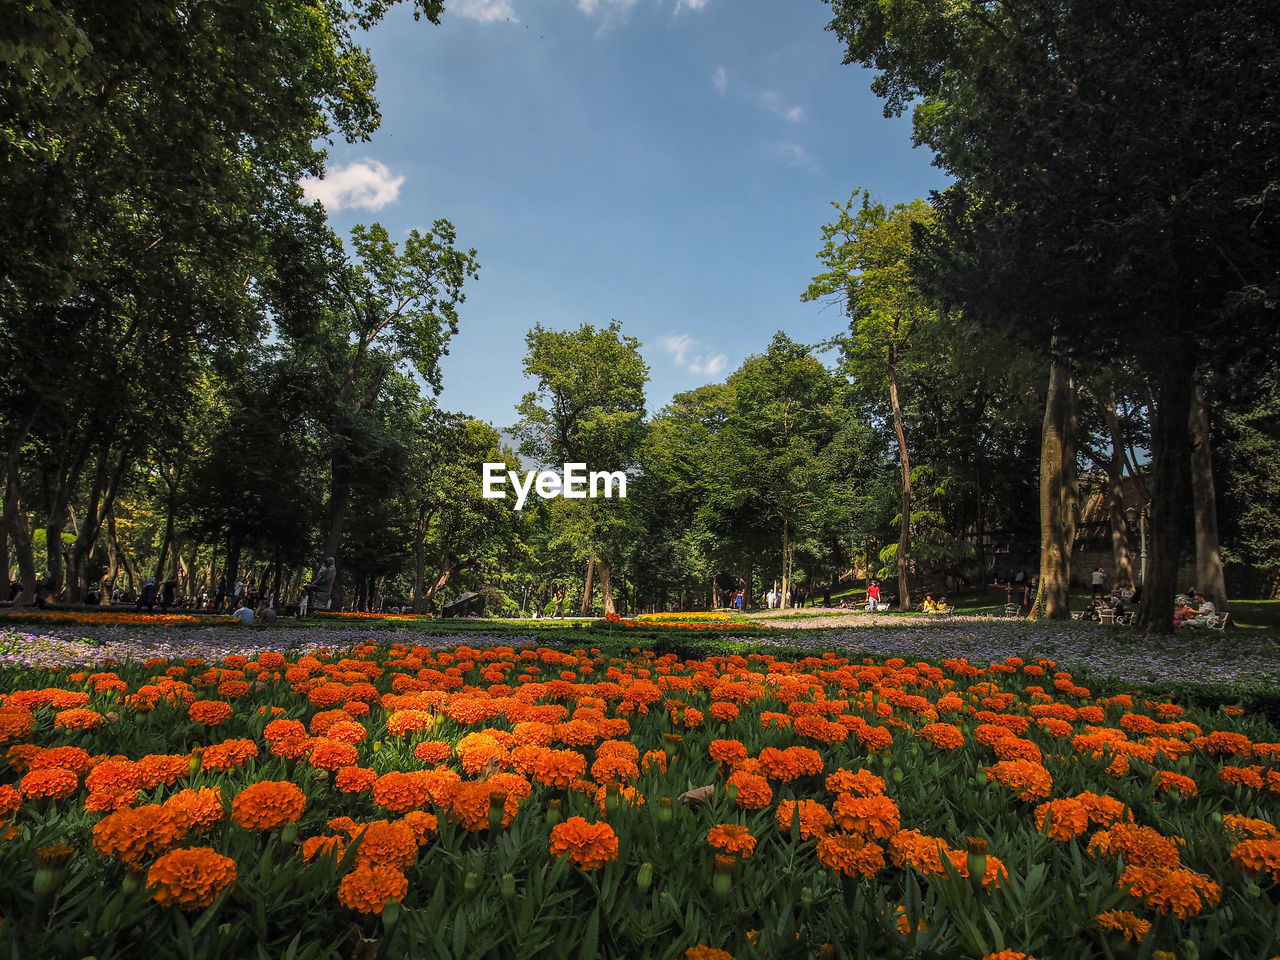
[(531, 802)]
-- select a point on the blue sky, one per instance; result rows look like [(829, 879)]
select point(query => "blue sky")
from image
[(668, 163)]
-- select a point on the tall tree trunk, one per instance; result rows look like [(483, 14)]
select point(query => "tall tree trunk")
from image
[(339, 498), (586, 591), (170, 507), (606, 587), (1170, 489), (1121, 559), (16, 526), (786, 552), (1059, 493), (114, 544), (904, 461), (1209, 577)]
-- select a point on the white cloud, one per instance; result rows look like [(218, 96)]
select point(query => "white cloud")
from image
[(709, 364), (796, 155), (689, 5), (721, 79), (361, 184), (678, 346), (774, 102), (605, 7), (682, 348), (485, 11)]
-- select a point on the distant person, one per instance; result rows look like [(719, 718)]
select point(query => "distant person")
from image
[(1098, 579), (147, 598), (558, 613), (244, 613), (167, 594), (930, 605), (873, 595), (266, 613)]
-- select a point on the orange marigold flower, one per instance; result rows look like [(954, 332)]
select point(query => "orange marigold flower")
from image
[(268, 805), (283, 729), (331, 846), (422, 824), (862, 783), (589, 845), (190, 878), (407, 722), (1234, 823), (233, 689), (1029, 780), (875, 816), (1128, 925), (1167, 781), (1138, 845), (1103, 810), (1015, 748), (161, 768), (75, 759), (332, 755), (198, 809), (724, 712), (727, 751), (78, 719), (653, 758), (615, 768), (369, 887), (223, 756), (944, 736), (911, 848), (1008, 955), (753, 791), (53, 782), (1067, 818), (1179, 890), (388, 843), (10, 800), (701, 952), (815, 819), (15, 724), (210, 712), (995, 870), (850, 854), (732, 838), (355, 779), (1242, 776), (433, 751), (1258, 856), (133, 835), (400, 792)]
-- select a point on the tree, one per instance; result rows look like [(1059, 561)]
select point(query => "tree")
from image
[(867, 255), (1116, 186), (394, 311), (588, 408)]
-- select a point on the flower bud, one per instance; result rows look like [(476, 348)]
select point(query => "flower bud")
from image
[(289, 833), (722, 882), (665, 811), (133, 882), (507, 886), (611, 798), (976, 862), (390, 914), (471, 882), (553, 812), (497, 808), (806, 896), (644, 878), (194, 763)]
